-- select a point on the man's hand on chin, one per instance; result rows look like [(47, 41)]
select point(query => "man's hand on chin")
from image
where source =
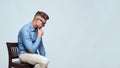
[(40, 32)]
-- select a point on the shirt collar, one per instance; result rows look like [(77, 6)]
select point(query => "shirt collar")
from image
[(32, 28)]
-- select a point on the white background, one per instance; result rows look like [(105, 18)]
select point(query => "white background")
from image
[(79, 34)]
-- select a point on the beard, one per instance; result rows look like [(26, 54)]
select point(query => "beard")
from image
[(38, 27)]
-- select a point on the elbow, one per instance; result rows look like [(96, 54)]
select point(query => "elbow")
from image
[(43, 53)]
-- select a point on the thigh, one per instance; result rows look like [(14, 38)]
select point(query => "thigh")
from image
[(33, 58)]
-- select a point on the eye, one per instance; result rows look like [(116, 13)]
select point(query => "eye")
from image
[(40, 20)]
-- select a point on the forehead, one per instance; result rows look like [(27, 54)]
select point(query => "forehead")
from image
[(41, 18)]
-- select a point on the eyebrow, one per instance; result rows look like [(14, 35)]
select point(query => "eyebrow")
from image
[(40, 19)]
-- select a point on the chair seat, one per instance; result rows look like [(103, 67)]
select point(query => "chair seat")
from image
[(18, 64)]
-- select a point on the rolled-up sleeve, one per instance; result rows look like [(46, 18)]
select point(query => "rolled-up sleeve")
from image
[(41, 49)]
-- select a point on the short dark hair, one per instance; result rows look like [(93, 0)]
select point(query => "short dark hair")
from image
[(42, 14)]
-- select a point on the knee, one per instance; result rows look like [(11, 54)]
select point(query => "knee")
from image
[(46, 61), (37, 66)]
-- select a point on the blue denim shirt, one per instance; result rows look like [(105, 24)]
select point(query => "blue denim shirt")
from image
[(28, 40)]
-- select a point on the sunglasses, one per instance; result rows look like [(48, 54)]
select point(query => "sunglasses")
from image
[(41, 21)]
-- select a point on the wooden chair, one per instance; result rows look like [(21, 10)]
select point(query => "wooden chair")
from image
[(13, 54)]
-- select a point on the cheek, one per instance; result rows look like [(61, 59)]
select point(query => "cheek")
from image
[(39, 23)]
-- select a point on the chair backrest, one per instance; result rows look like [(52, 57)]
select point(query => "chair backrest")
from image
[(12, 51)]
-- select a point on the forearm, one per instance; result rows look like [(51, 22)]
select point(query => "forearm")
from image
[(41, 49), (32, 47)]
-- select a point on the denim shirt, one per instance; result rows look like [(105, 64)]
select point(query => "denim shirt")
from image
[(28, 40)]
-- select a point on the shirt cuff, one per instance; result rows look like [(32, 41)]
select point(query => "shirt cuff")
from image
[(38, 39)]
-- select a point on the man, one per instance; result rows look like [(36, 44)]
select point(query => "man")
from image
[(30, 41)]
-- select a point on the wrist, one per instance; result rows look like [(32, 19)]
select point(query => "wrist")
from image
[(39, 36)]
